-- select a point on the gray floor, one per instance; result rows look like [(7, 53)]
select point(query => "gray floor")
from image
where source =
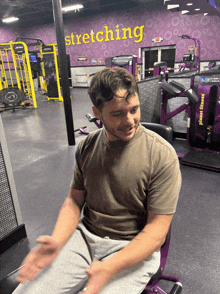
[(43, 163)]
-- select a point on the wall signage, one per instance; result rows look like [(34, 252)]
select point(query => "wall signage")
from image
[(157, 40), (82, 58), (100, 61), (94, 61), (107, 35)]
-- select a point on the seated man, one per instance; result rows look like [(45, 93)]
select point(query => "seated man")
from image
[(127, 181)]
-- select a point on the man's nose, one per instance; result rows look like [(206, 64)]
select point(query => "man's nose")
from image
[(129, 119)]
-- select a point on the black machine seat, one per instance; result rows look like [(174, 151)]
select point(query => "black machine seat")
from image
[(164, 131)]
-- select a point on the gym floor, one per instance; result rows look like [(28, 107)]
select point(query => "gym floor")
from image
[(42, 164)]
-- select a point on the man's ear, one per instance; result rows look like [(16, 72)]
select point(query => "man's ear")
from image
[(96, 112)]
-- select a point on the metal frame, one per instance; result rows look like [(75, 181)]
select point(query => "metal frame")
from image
[(9, 173), (42, 81), (23, 75)]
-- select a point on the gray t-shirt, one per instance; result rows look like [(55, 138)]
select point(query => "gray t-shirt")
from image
[(123, 180)]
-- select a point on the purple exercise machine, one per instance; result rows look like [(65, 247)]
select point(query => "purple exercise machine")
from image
[(129, 62), (91, 118), (160, 67), (191, 60), (203, 110), (153, 285)]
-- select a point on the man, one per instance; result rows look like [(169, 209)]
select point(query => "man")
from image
[(127, 182)]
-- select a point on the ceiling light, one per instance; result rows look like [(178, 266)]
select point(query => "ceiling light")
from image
[(197, 9), (10, 19), (184, 11), (73, 7), (189, 4), (205, 13), (166, 1), (173, 6)]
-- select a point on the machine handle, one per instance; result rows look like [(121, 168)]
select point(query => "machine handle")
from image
[(185, 37), (177, 288), (91, 118), (189, 93), (170, 89), (177, 85)]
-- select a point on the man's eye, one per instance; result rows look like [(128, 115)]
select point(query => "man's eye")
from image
[(116, 114)]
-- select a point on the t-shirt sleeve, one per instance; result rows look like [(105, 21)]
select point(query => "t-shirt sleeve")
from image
[(165, 183), (77, 181)]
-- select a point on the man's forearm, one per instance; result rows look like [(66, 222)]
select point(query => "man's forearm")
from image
[(67, 221), (150, 239)]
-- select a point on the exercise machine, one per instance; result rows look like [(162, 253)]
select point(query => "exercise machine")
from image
[(50, 72), (16, 82), (192, 59), (203, 111), (129, 62), (160, 67), (91, 118), (46, 67)]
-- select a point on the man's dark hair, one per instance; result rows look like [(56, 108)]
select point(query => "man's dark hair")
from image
[(105, 84)]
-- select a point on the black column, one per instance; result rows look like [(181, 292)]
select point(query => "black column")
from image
[(58, 22)]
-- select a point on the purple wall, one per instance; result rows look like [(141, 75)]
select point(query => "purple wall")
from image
[(157, 23), (7, 34)]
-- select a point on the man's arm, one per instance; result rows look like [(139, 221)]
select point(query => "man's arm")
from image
[(150, 239), (69, 216)]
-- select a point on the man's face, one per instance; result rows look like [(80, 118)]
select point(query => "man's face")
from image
[(120, 117)]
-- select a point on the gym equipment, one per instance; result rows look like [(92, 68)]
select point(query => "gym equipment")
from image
[(50, 72), (12, 98), (46, 66), (152, 286), (16, 83), (159, 67), (191, 60), (129, 62), (12, 229), (203, 110), (93, 119)]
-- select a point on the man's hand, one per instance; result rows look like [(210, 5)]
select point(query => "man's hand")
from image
[(98, 277), (39, 258)]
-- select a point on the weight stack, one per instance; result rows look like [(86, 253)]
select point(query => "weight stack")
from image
[(12, 230)]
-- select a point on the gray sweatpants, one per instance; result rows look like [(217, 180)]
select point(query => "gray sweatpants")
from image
[(67, 273)]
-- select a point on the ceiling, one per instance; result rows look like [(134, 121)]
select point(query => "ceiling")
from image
[(205, 6), (35, 12)]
